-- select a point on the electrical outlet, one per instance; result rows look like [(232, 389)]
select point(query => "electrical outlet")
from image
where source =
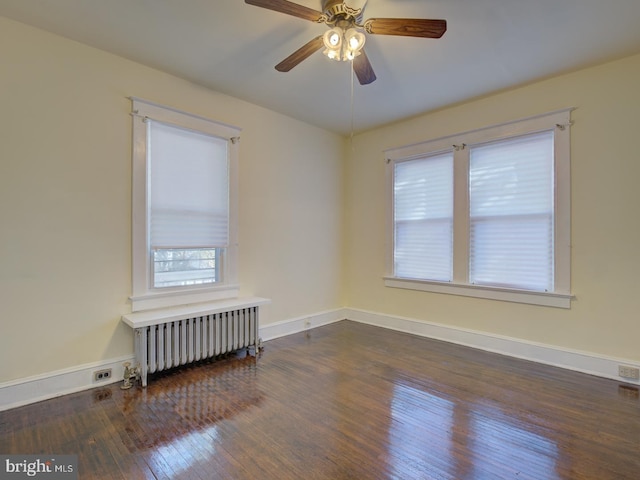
[(631, 373), (100, 375)]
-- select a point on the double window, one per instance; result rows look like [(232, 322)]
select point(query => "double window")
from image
[(484, 213), (184, 208)]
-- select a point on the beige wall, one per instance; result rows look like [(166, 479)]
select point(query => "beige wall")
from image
[(312, 229), (604, 318), (65, 201)]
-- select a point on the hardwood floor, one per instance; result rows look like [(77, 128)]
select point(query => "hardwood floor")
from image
[(345, 401)]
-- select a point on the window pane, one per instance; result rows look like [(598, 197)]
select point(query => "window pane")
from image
[(511, 213), (180, 267), (423, 216), (423, 250), (512, 252)]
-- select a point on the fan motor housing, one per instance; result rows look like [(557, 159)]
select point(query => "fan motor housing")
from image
[(338, 10)]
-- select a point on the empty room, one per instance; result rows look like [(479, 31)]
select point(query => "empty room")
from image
[(312, 239)]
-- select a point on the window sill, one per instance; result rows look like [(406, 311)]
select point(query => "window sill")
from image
[(558, 300), (170, 298)]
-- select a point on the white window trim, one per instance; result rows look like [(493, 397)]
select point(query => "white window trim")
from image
[(144, 296), (559, 120)]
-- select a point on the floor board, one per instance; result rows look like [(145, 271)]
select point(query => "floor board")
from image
[(345, 401)]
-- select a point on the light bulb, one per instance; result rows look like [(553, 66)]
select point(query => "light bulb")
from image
[(355, 39), (332, 38)]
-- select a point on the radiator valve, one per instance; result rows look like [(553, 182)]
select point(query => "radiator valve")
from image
[(254, 350), (130, 376)]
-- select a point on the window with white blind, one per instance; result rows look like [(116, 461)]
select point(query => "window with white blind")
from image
[(511, 213), (484, 213), (184, 207), (423, 191), (189, 204)]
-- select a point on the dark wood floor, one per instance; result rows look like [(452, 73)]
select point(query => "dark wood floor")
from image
[(345, 401)]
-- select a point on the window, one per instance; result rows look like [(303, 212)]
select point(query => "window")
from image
[(184, 207), (511, 213), (484, 213), (423, 206)]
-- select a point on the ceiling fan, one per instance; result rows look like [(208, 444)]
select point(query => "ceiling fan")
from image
[(345, 39)]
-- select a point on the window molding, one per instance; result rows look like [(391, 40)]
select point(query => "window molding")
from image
[(144, 296), (560, 122), (548, 299)]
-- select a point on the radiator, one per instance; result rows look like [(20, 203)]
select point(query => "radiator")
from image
[(167, 341)]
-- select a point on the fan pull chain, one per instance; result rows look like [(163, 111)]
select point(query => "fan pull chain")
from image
[(352, 114)]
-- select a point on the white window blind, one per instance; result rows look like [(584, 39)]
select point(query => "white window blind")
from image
[(511, 213), (423, 218), (189, 193)]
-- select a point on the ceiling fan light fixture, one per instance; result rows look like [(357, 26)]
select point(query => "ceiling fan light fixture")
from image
[(333, 41), (341, 45), (333, 38), (332, 54), (354, 39)]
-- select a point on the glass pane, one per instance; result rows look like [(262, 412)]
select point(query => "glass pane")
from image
[(513, 176), (513, 252), (424, 250), (181, 267)]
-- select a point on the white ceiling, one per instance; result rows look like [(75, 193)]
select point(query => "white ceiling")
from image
[(232, 47)]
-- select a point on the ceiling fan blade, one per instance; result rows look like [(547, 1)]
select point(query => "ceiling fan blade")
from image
[(362, 68), (290, 8), (301, 54), (406, 27)]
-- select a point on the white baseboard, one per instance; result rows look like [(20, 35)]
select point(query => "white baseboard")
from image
[(575, 360), (23, 391), (300, 324), (62, 382)]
